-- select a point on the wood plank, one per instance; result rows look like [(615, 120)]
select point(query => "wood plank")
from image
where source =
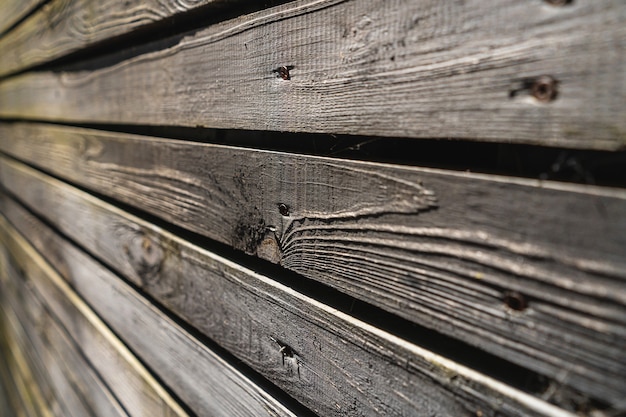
[(71, 373), (61, 383), (6, 393), (33, 393), (138, 392), (12, 11), (331, 362), (9, 397), (426, 69), (32, 401), (206, 383), (66, 26), (19, 401), (33, 389), (57, 383), (445, 250)]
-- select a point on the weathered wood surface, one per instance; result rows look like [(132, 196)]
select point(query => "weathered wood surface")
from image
[(76, 396), (206, 384), (12, 11), (331, 362), (10, 403), (420, 69), (71, 372), (7, 394), (27, 377), (65, 26), (130, 382), (439, 248), (16, 395)]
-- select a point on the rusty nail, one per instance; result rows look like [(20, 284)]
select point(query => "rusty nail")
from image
[(283, 209), (544, 88), (283, 72), (515, 301)]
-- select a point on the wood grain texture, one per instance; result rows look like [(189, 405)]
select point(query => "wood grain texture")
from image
[(72, 384), (9, 396), (65, 26), (333, 363), (423, 69), (32, 390), (72, 371), (12, 11), (441, 249), (206, 383), (116, 367)]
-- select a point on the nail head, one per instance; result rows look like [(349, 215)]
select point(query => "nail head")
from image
[(283, 209), (515, 301), (544, 88)]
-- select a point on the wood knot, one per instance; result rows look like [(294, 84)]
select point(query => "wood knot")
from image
[(145, 256)]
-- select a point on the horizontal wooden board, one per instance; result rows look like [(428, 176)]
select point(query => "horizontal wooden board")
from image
[(31, 388), (12, 11), (426, 69), (206, 383), (331, 362), (71, 371), (446, 250), (10, 403), (7, 395), (77, 396), (65, 26), (130, 382)]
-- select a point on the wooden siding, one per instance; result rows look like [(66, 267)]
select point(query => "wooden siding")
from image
[(147, 268), (394, 68)]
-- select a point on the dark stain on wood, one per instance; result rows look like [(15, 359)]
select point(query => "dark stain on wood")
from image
[(249, 232)]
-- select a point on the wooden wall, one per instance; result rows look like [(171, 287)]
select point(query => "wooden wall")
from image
[(313, 207)]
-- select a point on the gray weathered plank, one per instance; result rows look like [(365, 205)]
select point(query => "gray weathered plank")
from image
[(65, 26), (43, 335), (7, 394), (331, 362), (12, 11), (33, 390), (116, 367), (77, 397), (428, 69), (207, 384), (74, 388), (10, 403), (439, 248), (12, 394), (16, 397)]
